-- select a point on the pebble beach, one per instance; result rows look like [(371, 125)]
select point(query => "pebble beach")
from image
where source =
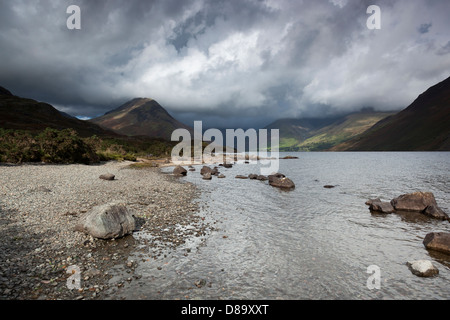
[(40, 204)]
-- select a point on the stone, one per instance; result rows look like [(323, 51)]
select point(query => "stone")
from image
[(207, 176), (439, 241), (275, 176), (423, 202), (435, 212), (328, 186), (179, 171), (221, 176), (227, 165), (422, 268), (252, 176), (416, 201), (107, 221), (283, 183), (262, 178), (205, 169), (380, 206), (241, 177), (107, 176)]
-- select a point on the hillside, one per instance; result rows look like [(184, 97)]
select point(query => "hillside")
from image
[(316, 134), (27, 114), (140, 117), (422, 126)]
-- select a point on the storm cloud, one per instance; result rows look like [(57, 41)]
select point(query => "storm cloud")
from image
[(232, 63)]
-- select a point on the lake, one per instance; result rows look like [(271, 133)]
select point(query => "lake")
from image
[(311, 242)]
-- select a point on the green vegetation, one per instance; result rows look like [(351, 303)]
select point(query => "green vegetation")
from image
[(66, 146)]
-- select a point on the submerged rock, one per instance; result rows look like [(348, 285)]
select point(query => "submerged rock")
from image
[(439, 241), (422, 268), (107, 221)]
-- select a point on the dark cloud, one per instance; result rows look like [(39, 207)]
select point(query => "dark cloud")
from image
[(425, 27), (238, 62)]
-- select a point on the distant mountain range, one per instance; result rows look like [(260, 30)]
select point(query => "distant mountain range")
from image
[(140, 117), (424, 125), (315, 134)]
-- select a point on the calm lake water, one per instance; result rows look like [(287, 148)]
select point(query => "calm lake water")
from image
[(311, 242)]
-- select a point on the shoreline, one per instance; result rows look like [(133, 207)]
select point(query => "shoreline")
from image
[(40, 205)]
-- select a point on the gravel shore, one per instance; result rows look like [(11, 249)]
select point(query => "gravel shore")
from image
[(40, 205)]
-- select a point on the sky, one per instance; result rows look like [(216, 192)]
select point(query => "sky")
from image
[(234, 63)]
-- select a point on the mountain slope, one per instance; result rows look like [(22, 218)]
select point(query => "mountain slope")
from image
[(27, 114), (422, 126), (140, 117), (321, 134)]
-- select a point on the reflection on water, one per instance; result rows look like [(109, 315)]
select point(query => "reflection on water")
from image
[(309, 243)]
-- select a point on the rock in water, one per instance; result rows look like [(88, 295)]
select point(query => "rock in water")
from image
[(423, 202), (422, 268), (436, 212), (417, 201), (439, 241), (283, 183), (107, 176), (179, 171), (205, 169), (107, 221), (207, 176), (380, 206)]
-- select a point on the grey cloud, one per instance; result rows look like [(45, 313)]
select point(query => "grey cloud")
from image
[(228, 61), (424, 28)]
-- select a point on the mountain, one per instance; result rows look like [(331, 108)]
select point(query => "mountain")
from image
[(315, 134), (140, 117), (27, 114), (423, 126)]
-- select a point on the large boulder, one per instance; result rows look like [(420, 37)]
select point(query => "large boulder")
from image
[(380, 206), (107, 221), (179, 171), (422, 268), (423, 202), (416, 201), (283, 183), (439, 241)]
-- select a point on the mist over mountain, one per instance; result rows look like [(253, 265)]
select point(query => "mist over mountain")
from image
[(423, 126)]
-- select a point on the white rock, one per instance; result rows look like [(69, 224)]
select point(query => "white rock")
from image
[(422, 268)]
